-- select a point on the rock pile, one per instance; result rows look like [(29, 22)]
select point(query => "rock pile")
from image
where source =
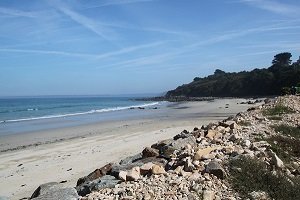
[(192, 165)]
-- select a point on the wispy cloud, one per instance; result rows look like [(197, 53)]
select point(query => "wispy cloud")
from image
[(129, 49), (118, 2), (88, 23), (16, 13), (273, 6), (239, 33), (84, 55), (33, 51)]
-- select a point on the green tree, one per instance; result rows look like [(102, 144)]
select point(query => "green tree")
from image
[(219, 72), (282, 59)]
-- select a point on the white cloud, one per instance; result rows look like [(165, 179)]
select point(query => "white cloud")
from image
[(16, 13), (118, 2), (129, 49), (274, 6), (62, 53)]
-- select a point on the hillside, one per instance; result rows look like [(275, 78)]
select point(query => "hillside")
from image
[(275, 80)]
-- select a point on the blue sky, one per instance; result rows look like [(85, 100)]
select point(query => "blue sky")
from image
[(69, 47)]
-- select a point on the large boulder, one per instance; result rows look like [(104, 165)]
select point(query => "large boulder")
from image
[(106, 181), (167, 150), (53, 190), (95, 174), (150, 152)]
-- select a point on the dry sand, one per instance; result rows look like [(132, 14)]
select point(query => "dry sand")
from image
[(70, 153)]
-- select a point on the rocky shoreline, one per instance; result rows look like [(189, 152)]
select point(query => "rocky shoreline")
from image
[(199, 164)]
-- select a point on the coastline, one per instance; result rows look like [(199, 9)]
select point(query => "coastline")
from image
[(69, 153)]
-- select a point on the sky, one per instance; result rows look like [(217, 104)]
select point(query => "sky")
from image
[(108, 47)]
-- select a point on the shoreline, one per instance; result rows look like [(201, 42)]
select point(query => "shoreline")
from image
[(96, 145)]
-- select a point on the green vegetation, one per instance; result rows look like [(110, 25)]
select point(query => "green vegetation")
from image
[(286, 148), (277, 110), (275, 118), (258, 82), (248, 175), (244, 123), (288, 130)]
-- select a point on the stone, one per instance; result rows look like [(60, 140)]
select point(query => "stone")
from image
[(220, 129), (202, 152), (234, 126), (106, 181), (215, 168), (208, 195), (95, 174), (183, 134), (246, 143), (150, 152), (188, 165), (259, 195), (157, 169), (195, 176), (54, 190), (218, 136), (44, 188), (135, 163), (211, 134), (178, 169), (276, 160), (146, 168), (159, 145), (233, 137), (168, 150), (133, 174), (131, 159), (122, 175), (208, 156)]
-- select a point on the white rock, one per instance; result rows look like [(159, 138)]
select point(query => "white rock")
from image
[(208, 195)]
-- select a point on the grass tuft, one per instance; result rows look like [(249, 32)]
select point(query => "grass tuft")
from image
[(244, 123), (278, 118)]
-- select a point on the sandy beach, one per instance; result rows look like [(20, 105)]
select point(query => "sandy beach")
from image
[(66, 154)]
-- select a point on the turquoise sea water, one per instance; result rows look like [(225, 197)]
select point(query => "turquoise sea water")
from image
[(44, 111)]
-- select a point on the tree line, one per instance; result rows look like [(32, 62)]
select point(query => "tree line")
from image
[(275, 80)]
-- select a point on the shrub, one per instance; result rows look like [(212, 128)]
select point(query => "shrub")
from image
[(248, 175), (288, 130), (278, 110), (286, 148)]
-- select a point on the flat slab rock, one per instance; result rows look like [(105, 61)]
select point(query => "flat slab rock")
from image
[(53, 190)]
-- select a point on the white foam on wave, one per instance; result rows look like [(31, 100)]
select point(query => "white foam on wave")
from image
[(32, 109), (84, 113)]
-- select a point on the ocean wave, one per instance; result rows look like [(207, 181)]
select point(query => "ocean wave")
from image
[(83, 113)]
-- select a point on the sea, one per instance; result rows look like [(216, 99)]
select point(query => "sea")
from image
[(27, 114)]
